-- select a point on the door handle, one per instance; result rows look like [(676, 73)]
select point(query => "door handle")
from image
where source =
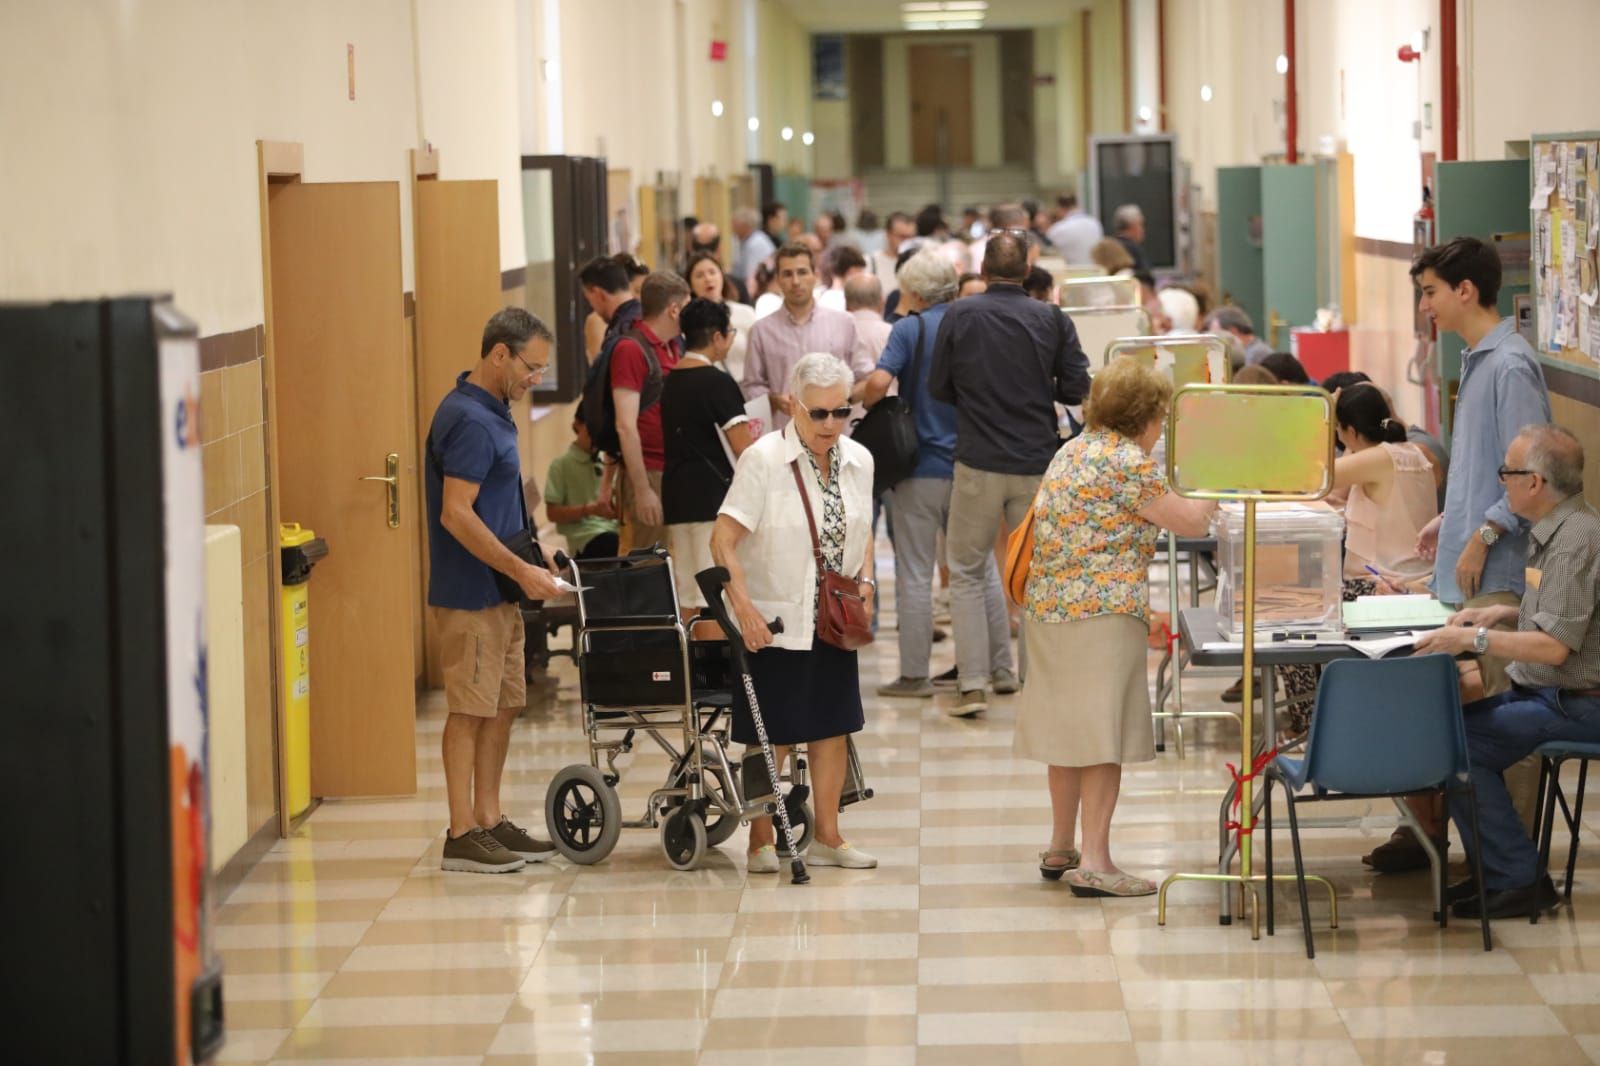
[(391, 479), (1275, 323)]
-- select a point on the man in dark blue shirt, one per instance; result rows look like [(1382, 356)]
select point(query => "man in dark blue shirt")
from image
[(474, 489), (1004, 361)]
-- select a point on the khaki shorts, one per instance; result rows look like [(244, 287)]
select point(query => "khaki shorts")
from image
[(633, 533), (482, 656)]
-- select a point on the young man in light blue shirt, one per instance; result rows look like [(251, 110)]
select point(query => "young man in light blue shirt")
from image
[(1480, 548)]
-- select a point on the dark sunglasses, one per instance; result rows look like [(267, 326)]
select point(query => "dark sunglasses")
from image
[(1506, 471), (822, 414)]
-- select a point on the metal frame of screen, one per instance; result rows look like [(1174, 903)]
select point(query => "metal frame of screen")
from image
[(1168, 261), (579, 213)]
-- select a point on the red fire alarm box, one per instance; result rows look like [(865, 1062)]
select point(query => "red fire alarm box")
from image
[(719, 51)]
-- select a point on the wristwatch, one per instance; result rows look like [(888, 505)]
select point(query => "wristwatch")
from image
[(1488, 534), (1480, 641)]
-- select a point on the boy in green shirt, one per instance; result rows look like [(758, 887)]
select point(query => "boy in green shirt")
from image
[(572, 498)]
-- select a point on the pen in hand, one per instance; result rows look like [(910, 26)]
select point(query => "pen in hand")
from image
[(1385, 582)]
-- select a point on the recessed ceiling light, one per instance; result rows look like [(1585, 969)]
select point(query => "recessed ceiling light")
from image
[(754, 124), (1145, 114), (1282, 65), (716, 108), (1205, 95), (808, 138), (787, 133)]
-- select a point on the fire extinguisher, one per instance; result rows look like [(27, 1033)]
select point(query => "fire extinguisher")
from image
[(1423, 370)]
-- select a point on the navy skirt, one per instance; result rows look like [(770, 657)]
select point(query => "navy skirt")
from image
[(803, 695)]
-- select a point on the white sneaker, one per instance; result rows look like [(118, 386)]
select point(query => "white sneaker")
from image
[(763, 860), (845, 855)]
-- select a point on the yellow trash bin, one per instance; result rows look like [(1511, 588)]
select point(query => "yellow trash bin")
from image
[(300, 549)]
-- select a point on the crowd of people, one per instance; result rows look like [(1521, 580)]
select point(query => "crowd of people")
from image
[(727, 400)]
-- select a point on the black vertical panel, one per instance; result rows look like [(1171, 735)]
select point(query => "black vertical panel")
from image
[(135, 418), (766, 184), (88, 942), (1016, 95), (864, 64)]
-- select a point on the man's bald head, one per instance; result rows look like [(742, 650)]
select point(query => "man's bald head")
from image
[(706, 235), (1005, 258), (863, 292)]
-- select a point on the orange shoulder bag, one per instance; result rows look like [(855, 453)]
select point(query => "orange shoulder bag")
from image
[(1019, 554)]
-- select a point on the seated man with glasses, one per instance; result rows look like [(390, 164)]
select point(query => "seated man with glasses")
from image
[(1555, 664)]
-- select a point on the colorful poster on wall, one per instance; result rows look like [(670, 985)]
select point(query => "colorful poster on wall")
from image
[(183, 513)]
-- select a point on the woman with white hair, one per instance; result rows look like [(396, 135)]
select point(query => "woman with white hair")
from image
[(809, 691)]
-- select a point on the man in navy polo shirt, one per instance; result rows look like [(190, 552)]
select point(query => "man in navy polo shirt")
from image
[(474, 483)]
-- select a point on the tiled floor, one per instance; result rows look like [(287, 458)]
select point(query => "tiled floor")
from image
[(348, 944)]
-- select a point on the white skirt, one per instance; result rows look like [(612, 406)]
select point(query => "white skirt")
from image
[(1087, 699)]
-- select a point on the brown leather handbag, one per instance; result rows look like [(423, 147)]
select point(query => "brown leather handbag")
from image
[(842, 616)]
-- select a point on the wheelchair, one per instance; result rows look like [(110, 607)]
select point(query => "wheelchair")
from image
[(643, 673)]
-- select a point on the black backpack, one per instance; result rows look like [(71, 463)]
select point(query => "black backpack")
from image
[(599, 408), (889, 431)]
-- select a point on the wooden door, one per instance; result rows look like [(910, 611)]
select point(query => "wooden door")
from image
[(458, 288), (941, 105), (336, 326), (1288, 250)]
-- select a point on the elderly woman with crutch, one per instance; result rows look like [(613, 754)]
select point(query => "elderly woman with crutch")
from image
[(792, 533)]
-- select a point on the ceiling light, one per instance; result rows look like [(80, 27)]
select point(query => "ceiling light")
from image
[(1205, 95), (787, 133), (1145, 114), (753, 125), (943, 14), (1282, 64), (716, 109), (808, 138)]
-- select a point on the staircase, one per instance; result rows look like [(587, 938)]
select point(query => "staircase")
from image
[(908, 190)]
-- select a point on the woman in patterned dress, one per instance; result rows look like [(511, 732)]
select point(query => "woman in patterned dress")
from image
[(1085, 710), (809, 691)]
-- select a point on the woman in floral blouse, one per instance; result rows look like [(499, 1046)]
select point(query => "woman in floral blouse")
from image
[(1086, 708)]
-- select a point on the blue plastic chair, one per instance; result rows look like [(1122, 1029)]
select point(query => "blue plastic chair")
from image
[(1380, 728), (1551, 755)]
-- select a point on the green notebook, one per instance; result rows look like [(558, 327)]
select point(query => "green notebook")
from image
[(1369, 613)]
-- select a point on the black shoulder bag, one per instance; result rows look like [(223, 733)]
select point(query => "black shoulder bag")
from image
[(522, 543), (889, 431)]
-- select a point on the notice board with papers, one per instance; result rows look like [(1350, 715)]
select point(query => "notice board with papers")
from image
[(1563, 262)]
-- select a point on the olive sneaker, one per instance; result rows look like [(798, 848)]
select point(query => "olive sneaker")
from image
[(516, 840), (476, 852)]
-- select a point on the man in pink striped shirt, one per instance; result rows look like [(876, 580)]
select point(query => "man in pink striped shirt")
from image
[(778, 341)]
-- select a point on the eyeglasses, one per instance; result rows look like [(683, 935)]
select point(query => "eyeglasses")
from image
[(731, 332), (822, 414), (1506, 471), (536, 369)]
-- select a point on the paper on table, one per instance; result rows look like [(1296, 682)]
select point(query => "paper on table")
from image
[(1395, 612), (1372, 649)]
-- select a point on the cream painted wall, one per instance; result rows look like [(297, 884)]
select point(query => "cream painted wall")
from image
[(140, 167), (784, 76), (832, 154), (987, 119), (1108, 113), (1057, 108), (467, 58), (1352, 88), (1532, 71)]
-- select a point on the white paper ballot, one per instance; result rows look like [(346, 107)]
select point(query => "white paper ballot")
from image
[(566, 586)]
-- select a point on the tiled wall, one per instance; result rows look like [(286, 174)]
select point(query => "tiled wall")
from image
[(234, 451)]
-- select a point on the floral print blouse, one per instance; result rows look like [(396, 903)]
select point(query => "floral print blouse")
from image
[(831, 526), (1091, 550)]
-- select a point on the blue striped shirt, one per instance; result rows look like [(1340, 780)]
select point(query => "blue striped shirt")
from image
[(1502, 390)]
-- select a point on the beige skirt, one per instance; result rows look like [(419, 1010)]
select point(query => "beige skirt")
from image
[(1087, 700)]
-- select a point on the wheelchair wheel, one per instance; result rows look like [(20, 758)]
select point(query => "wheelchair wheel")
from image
[(683, 838), (801, 822), (720, 826), (583, 814)]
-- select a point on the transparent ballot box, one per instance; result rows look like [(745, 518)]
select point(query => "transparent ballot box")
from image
[(1299, 569)]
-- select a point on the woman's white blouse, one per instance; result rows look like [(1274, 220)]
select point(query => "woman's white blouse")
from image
[(780, 572)]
